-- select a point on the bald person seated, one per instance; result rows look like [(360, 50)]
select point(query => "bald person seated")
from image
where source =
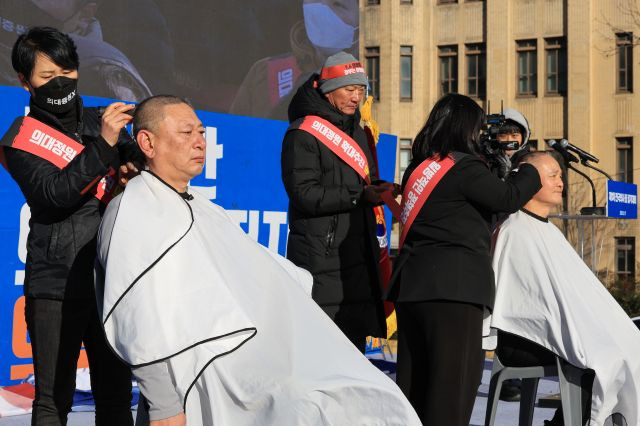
[(549, 304), (217, 329)]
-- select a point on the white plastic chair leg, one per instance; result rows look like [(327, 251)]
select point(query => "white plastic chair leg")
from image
[(570, 393)]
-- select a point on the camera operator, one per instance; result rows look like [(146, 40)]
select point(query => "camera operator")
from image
[(443, 280), (512, 137), (508, 141), (515, 129), (64, 157)]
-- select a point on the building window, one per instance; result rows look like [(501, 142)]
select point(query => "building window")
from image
[(372, 56), (448, 69), (476, 71), (624, 148), (371, 2), (624, 51), (405, 156), (406, 72), (527, 67), (626, 257), (406, 1), (447, 1), (556, 66)]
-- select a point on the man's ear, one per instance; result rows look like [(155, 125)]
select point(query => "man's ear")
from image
[(23, 82), (329, 98), (146, 142)]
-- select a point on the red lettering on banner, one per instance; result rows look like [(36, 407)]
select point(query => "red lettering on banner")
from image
[(282, 73), (418, 189), (339, 143)]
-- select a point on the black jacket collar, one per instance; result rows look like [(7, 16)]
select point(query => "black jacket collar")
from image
[(51, 120)]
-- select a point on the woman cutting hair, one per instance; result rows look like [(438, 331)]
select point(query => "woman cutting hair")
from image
[(443, 280)]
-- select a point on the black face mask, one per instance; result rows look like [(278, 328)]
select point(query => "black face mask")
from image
[(57, 96)]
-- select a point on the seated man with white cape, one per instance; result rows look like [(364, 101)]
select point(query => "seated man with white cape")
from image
[(217, 329), (548, 303)]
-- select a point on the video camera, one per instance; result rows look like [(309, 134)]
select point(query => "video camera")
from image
[(493, 149), (489, 136)]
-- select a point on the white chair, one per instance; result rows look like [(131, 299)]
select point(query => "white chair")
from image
[(570, 390)]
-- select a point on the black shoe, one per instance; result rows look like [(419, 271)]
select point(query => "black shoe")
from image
[(557, 419), (510, 391)]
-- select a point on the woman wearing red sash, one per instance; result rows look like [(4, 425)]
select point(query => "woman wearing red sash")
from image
[(443, 279)]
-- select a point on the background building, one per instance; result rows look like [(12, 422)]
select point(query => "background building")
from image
[(567, 65)]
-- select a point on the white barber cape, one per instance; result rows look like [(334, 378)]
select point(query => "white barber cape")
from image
[(245, 343), (546, 294)]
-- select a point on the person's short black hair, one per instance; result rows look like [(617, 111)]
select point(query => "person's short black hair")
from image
[(510, 128), (454, 124), (57, 46)]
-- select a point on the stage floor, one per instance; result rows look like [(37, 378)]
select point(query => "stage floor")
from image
[(507, 411)]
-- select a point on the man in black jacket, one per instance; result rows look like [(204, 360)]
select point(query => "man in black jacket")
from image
[(66, 205), (331, 220)]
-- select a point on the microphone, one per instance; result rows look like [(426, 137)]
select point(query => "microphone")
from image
[(584, 155), (557, 146)]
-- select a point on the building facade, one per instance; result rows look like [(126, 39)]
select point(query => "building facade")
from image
[(567, 65)]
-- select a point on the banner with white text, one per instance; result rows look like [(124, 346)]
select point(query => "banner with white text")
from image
[(242, 174)]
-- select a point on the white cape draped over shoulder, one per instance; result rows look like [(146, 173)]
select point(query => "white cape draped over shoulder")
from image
[(244, 341), (547, 294)]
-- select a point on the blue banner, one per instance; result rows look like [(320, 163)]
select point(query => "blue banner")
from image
[(242, 174), (622, 200)]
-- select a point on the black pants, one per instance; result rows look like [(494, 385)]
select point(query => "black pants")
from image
[(354, 321), (516, 351), (440, 359), (57, 329)]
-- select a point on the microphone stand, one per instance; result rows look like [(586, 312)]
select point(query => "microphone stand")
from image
[(593, 210), (586, 163)]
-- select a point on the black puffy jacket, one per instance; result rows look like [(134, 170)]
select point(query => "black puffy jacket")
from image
[(332, 230), (61, 245)]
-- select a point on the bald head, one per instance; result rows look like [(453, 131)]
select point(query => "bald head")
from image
[(550, 195), (536, 157), (171, 137), (151, 111)]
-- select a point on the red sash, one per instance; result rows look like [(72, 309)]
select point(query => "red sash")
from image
[(421, 183), (339, 143), (47, 143)]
